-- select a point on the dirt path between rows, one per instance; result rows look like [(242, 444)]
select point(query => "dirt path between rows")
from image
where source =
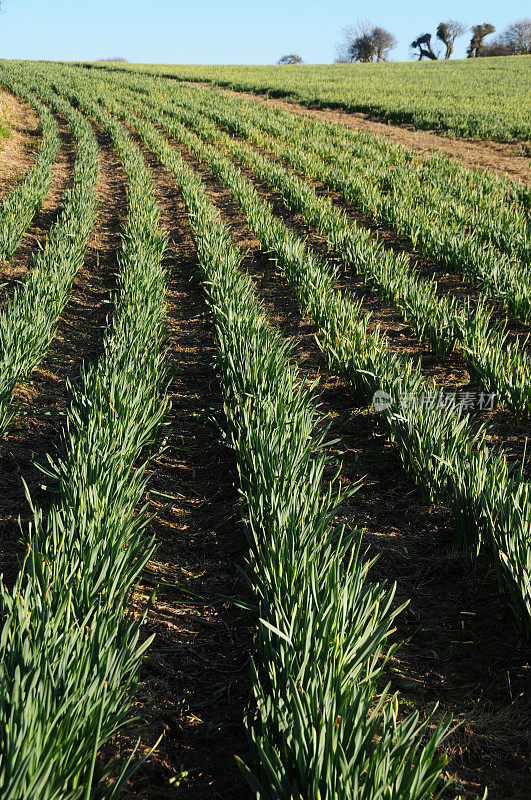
[(194, 684), (505, 158), (450, 372), (18, 151)]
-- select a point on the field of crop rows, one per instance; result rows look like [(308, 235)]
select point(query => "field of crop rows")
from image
[(469, 98), (264, 402)]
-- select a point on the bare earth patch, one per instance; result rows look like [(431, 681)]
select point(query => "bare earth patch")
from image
[(19, 150)]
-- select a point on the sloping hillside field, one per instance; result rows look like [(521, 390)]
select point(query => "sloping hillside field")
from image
[(264, 403), (484, 98)]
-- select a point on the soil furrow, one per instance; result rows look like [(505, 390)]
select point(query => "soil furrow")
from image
[(42, 401), (450, 372), (195, 680), (448, 283)]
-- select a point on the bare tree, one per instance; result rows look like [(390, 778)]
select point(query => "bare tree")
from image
[(384, 42), (426, 51), (118, 60), (448, 32), (476, 42), (515, 40), (362, 27), (370, 44), (292, 58)]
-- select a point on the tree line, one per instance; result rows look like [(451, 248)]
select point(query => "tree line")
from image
[(370, 43)]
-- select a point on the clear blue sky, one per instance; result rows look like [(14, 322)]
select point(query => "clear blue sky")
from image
[(210, 32)]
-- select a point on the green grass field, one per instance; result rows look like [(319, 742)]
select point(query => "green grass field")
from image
[(476, 98)]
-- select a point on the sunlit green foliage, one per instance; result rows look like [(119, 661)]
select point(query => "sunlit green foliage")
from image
[(324, 729), (480, 97), (69, 648), (31, 314), (452, 463), (323, 724)]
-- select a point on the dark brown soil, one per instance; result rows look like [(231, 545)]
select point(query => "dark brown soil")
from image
[(415, 543), (42, 401), (447, 283), (195, 680), (450, 372), (18, 151), (462, 650)]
